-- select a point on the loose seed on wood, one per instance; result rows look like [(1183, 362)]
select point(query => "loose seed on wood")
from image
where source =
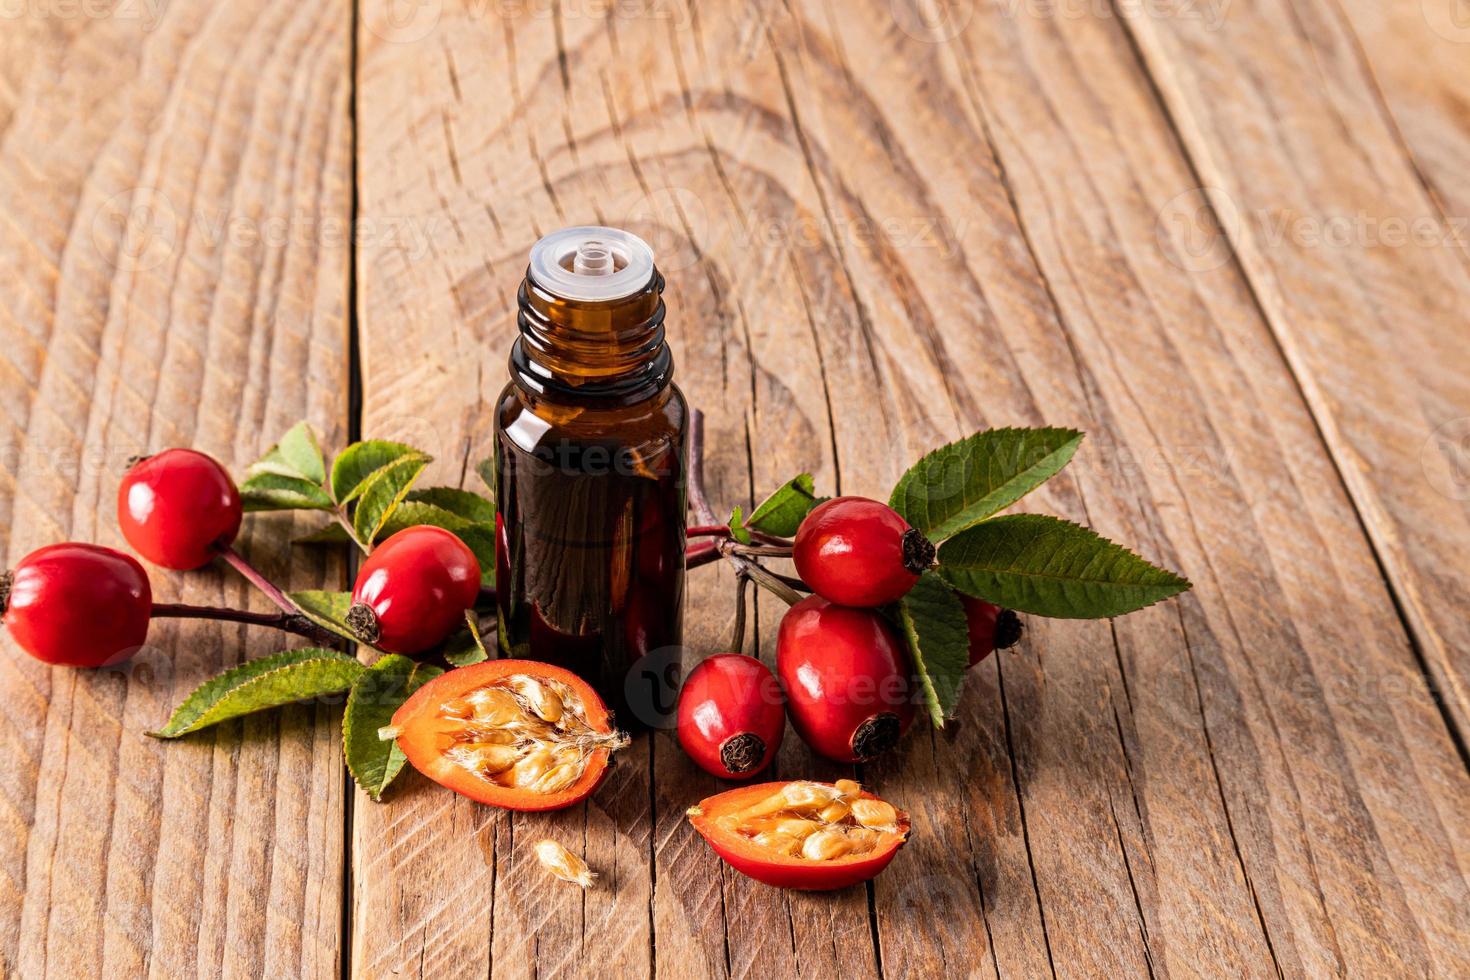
[(563, 863)]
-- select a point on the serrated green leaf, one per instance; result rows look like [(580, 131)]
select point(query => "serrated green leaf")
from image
[(466, 646), (738, 530), (938, 638), (481, 540), (378, 693), (479, 537), (283, 678), (1050, 567), (410, 513), (961, 484), (783, 511), (461, 503), (272, 491), (353, 466), (297, 455), (273, 463), (327, 609), (382, 492), (300, 450)]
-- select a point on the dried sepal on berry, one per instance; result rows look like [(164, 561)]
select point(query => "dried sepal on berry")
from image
[(563, 863)]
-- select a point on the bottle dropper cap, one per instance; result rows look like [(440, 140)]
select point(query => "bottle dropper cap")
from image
[(591, 264)]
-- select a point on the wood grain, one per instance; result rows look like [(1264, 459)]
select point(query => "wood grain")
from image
[(1414, 56), (1361, 276), (884, 225), (864, 261), (141, 163)]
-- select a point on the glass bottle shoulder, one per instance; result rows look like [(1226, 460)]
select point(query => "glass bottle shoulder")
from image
[(530, 422)]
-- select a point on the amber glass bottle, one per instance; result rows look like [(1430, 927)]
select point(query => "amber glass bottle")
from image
[(589, 456)]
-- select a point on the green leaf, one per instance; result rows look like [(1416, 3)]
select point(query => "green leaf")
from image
[(1049, 567), (378, 693), (283, 678), (481, 540), (300, 450), (939, 643), (329, 533), (486, 469), (461, 503), (327, 609), (297, 454), (382, 492), (272, 491), (479, 537), (738, 530), (961, 484), (466, 646), (353, 466), (783, 511), (408, 514)]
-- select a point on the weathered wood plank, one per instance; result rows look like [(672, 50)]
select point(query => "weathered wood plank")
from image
[(443, 887), (1201, 452), (864, 261), (1415, 55), (1362, 278), (169, 184)]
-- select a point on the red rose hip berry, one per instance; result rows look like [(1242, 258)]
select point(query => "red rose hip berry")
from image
[(846, 679), (77, 605), (178, 508), (731, 716), (991, 627), (412, 591), (859, 552)]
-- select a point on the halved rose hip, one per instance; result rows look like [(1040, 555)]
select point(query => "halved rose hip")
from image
[(511, 733), (802, 834)]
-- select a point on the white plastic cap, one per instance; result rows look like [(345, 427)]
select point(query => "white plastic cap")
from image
[(591, 264)]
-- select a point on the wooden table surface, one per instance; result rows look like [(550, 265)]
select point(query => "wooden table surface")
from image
[(1227, 238)]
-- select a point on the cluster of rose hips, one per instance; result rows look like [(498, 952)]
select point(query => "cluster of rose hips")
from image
[(844, 676), (84, 605)]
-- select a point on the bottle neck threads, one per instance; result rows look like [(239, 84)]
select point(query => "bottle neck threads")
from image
[(575, 350)]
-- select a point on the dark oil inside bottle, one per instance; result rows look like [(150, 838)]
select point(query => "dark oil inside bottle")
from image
[(590, 489)]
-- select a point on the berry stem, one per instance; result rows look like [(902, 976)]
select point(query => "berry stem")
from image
[(252, 574), (701, 553), (769, 550), (723, 531), (742, 581), (340, 516), (705, 514), (289, 622), (793, 582)]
